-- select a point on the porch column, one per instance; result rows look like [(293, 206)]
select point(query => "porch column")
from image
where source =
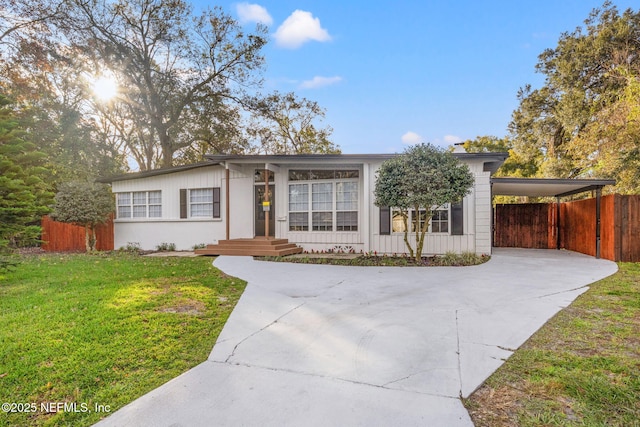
[(558, 223), (365, 212), (598, 200), (226, 204), (266, 199)]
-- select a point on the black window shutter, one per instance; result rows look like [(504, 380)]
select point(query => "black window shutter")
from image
[(457, 219), (385, 220), (216, 202), (183, 203)]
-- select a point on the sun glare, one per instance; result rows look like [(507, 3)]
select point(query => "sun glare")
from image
[(105, 88)]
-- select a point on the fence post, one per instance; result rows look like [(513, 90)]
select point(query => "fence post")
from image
[(598, 200)]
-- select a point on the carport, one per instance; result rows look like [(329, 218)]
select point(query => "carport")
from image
[(557, 188)]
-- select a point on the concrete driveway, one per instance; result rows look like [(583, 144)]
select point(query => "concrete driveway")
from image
[(372, 346)]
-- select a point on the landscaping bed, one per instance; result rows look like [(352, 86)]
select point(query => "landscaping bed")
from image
[(372, 259)]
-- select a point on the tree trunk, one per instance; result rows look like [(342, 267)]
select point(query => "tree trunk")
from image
[(90, 238), (405, 216), (87, 239)]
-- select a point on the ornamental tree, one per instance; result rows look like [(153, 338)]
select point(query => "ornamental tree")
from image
[(84, 204), (422, 178)]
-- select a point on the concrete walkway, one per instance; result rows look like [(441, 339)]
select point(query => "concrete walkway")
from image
[(319, 345)]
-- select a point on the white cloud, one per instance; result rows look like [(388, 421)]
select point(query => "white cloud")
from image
[(319, 81), (299, 28), (452, 139), (411, 138), (248, 12)]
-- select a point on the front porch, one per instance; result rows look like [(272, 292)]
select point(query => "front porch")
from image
[(258, 246)]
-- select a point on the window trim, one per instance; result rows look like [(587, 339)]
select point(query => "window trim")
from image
[(131, 205), (186, 203), (334, 201), (410, 221)]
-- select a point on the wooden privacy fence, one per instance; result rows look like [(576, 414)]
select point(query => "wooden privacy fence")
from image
[(536, 226), (62, 237)]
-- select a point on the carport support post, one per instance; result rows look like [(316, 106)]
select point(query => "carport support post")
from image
[(598, 200), (558, 223)]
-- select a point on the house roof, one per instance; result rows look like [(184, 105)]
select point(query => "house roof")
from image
[(492, 161), (163, 171), (545, 187), (301, 158)]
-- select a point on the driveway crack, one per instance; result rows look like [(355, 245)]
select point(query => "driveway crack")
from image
[(458, 352), (233, 352)]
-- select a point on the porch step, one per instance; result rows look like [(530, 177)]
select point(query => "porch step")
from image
[(251, 247)]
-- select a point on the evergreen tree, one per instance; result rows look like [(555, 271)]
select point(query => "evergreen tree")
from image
[(24, 196)]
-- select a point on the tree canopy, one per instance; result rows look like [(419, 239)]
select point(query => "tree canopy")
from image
[(422, 178), (85, 204), (184, 84), (583, 122)]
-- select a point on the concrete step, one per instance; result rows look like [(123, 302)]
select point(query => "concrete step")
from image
[(249, 252), (251, 247)]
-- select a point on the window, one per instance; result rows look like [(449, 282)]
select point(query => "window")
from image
[(322, 206), (327, 202), (346, 206), (439, 222), (200, 203), (139, 204), (298, 207)]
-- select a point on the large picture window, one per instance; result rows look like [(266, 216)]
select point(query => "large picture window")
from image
[(327, 201), (139, 204)]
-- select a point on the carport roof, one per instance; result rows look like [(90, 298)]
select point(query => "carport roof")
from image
[(545, 187)]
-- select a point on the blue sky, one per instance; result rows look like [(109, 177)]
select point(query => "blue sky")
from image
[(394, 73)]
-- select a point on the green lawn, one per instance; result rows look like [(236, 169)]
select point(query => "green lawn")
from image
[(580, 369), (103, 330)]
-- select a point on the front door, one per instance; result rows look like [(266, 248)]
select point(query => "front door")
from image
[(260, 213)]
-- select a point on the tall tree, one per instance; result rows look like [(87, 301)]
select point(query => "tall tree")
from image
[(24, 195), (586, 105), (515, 165), (174, 69), (421, 179), (286, 124)]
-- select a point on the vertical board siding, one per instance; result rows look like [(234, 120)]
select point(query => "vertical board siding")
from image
[(524, 226), (530, 225), (630, 228), (62, 237)]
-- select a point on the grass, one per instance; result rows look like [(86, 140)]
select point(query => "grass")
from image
[(103, 329), (449, 259), (581, 369)]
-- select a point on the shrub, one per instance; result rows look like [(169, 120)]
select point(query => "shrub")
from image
[(132, 247), (166, 247)]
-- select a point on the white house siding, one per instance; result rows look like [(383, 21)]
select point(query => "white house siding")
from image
[(483, 213), (476, 216), (184, 233), (241, 204), (318, 240)]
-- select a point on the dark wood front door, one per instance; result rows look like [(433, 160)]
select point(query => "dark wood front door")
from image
[(260, 213)]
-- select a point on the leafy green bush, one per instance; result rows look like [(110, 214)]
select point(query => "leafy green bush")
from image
[(131, 247), (166, 247)]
